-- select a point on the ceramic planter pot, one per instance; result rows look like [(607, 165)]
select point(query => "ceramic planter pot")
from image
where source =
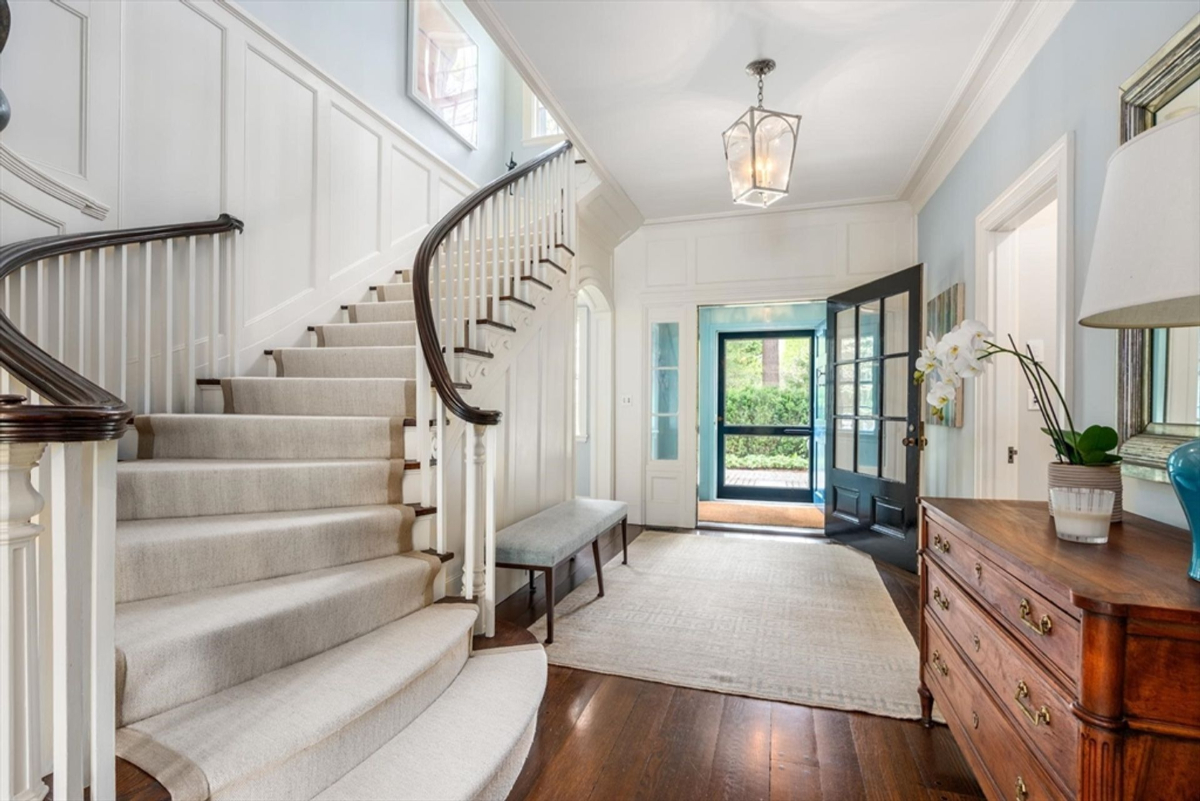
[(1106, 476)]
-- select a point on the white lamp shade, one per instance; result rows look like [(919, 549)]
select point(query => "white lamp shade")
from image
[(1145, 267)]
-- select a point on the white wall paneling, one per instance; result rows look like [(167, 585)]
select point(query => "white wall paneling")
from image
[(668, 270), (134, 113)]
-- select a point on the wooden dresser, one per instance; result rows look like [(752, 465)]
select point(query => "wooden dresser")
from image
[(1065, 671)]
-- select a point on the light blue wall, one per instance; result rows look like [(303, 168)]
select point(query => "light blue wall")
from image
[(363, 45), (1071, 85), (715, 320)]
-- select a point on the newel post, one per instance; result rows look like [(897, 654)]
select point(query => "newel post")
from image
[(20, 677)]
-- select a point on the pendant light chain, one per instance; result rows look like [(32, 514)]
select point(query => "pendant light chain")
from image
[(760, 91)]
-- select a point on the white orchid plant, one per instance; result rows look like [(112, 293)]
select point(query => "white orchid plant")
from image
[(962, 353)]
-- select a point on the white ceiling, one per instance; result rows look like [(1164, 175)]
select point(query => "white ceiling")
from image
[(650, 86)]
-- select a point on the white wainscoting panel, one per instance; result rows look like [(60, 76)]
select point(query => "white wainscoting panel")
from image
[(355, 182)]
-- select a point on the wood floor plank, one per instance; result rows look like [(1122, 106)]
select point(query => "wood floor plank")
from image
[(621, 771), (681, 760), (942, 765), (567, 695), (575, 769), (795, 770), (841, 774), (889, 771), (741, 768)]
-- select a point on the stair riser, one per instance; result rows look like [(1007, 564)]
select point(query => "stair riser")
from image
[(330, 397), (353, 335), (355, 362), (198, 491), (222, 436), (162, 673), (159, 558), (381, 313)]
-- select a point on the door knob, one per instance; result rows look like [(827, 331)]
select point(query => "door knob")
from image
[(919, 441)]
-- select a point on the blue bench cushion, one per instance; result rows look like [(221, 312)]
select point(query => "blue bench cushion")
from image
[(556, 533)]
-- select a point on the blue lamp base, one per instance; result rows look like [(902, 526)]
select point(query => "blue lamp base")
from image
[(1183, 468)]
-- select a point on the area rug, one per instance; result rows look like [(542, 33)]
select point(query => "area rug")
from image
[(804, 622), (762, 514)]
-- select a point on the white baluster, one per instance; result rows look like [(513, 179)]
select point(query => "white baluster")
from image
[(100, 501), (20, 672), (42, 315), (477, 466), (470, 511), (458, 298), (61, 355), (214, 305), (123, 333), (498, 241), (101, 317), (489, 534), (189, 330), (68, 534), (169, 329), (474, 264), (82, 319), (231, 301), (442, 511), (424, 397), (147, 326)]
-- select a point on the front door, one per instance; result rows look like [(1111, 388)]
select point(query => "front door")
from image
[(873, 418), (764, 415)]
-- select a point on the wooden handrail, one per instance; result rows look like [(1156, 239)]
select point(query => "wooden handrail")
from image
[(83, 411), (431, 347)]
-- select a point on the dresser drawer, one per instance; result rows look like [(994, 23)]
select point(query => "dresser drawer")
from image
[(1048, 630), (1034, 701), (1011, 770)]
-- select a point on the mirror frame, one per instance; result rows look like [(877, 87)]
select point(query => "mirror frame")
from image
[(1146, 444)]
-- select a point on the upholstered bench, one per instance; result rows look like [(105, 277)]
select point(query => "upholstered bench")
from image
[(552, 536)]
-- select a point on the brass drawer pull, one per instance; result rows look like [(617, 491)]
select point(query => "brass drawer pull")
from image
[(978, 571), (974, 720), (940, 599), (1040, 716), (938, 663), (975, 641), (940, 544), (1042, 627), (1022, 792)]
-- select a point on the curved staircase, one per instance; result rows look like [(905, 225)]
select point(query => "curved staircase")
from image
[(275, 630)]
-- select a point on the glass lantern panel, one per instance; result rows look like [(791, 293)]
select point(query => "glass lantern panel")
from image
[(738, 157), (775, 144)]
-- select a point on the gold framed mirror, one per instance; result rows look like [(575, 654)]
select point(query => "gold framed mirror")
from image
[(1158, 370)]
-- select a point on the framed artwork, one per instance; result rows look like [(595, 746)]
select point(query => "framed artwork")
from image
[(443, 68), (942, 313)]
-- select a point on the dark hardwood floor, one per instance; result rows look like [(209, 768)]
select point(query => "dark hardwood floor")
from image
[(607, 738)]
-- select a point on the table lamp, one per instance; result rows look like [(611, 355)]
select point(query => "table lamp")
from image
[(1145, 266)]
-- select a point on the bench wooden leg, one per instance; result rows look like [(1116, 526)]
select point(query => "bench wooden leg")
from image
[(624, 540), (599, 572), (549, 605), (532, 589)]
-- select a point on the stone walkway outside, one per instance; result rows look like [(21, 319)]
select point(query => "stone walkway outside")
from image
[(787, 479)]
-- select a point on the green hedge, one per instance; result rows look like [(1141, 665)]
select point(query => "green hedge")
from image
[(764, 406), (781, 461)]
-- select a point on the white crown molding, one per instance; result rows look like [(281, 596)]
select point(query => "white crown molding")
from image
[(44, 182), (1019, 32), (485, 12), (751, 212), (250, 21)]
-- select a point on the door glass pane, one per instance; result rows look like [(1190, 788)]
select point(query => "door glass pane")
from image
[(767, 461), (664, 344), (894, 450), (868, 384), (767, 381), (664, 437), (843, 444), (868, 330), (665, 397), (845, 335), (868, 444), (895, 323), (845, 389), (896, 381)]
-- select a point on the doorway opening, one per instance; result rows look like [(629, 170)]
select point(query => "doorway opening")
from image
[(758, 406), (1024, 289)]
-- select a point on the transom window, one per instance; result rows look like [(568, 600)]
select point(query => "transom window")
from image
[(540, 127)]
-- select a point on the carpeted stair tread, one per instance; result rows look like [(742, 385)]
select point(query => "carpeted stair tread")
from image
[(391, 311), (295, 731), (337, 397), (163, 557), (353, 335), (469, 744), (354, 362), (234, 436), (394, 292), (179, 648), (156, 488)]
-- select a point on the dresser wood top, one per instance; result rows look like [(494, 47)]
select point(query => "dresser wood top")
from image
[(1141, 570)]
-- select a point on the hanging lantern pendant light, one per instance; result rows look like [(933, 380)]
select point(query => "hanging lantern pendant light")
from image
[(760, 148)]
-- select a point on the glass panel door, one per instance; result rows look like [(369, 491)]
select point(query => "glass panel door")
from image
[(765, 416)]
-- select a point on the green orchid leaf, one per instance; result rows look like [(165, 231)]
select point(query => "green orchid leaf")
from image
[(1097, 439)]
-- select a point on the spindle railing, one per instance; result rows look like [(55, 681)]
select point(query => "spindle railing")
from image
[(85, 322), (472, 266)]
